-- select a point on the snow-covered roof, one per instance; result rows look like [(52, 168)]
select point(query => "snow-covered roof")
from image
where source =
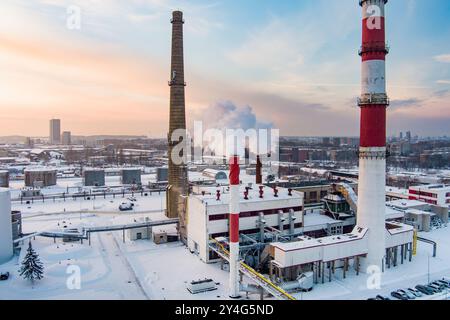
[(253, 196), (40, 169), (404, 203)]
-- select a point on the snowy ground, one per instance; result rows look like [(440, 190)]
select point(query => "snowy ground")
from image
[(111, 269)]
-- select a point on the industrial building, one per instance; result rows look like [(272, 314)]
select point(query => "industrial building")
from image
[(131, 176), (261, 208), (40, 177), (93, 177), (4, 178), (6, 237), (438, 194), (143, 233), (324, 255), (423, 216)]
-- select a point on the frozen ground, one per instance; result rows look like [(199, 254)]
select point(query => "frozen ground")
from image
[(111, 269)]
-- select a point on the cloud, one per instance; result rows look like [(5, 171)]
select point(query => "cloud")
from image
[(443, 82), (405, 103), (226, 114), (445, 58)]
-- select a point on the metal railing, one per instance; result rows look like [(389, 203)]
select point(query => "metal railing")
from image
[(255, 276)]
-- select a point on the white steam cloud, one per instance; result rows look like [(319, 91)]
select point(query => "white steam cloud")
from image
[(227, 115)]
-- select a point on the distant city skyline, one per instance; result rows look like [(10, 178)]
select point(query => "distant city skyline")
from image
[(291, 65)]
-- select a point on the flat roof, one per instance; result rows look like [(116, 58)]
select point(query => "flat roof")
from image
[(306, 242), (420, 212), (432, 187), (210, 196), (405, 203), (43, 169)]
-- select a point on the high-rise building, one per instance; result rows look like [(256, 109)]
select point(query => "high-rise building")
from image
[(66, 138), (408, 136), (55, 131)]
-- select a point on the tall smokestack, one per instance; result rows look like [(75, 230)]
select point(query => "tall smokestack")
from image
[(178, 181), (234, 227), (372, 156), (258, 170)]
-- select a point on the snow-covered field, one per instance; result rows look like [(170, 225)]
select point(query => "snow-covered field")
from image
[(111, 269)]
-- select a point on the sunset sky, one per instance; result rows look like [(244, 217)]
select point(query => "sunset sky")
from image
[(290, 64)]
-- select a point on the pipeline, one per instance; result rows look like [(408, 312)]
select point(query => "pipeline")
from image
[(430, 242), (84, 233)]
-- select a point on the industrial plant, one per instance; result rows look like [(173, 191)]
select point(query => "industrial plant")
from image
[(139, 219)]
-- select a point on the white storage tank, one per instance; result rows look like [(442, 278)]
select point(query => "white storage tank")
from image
[(6, 242)]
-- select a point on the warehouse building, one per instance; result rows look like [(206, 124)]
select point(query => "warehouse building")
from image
[(40, 177), (131, 176), (93, 177), (162, 174)]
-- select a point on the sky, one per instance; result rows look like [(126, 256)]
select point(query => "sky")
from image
[(290, 64)]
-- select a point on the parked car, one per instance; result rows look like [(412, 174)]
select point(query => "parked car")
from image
[(443, 286), (399, 295), (126, 206), (445, 282), (425, 290), (437, 287), (4, 276), (415, 292), (380, 297), (433, 288), (410, 295)]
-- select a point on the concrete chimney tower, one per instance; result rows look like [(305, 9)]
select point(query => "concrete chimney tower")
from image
[(234, 226), (372, 155), (258, 170), (178, 180)]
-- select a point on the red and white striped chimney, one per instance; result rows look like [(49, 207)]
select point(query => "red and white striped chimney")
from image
[(234, 227), (372, 156)]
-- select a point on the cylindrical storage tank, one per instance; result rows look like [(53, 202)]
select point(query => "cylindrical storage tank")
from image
[(4, 179), (94, 177), (40, 177), (6, 242), (131, 176), (215, 174)]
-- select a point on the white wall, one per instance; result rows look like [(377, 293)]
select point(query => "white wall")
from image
[(6, 245)]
